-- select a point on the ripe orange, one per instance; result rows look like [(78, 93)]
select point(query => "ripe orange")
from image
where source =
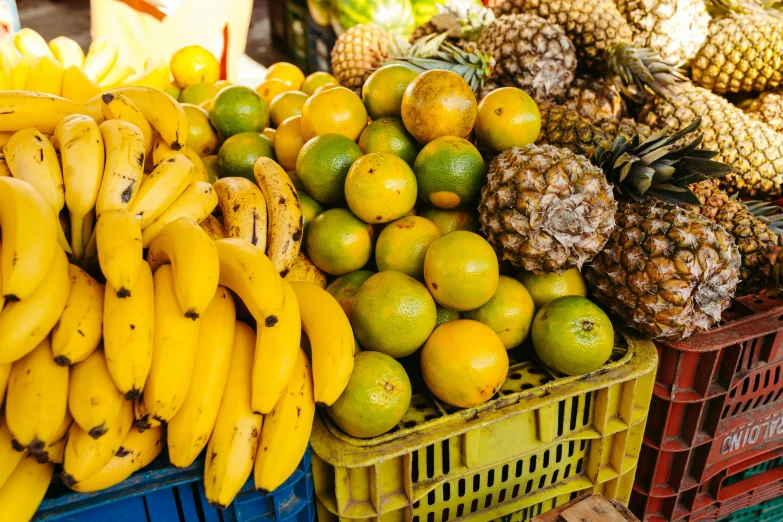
[(389, 135), (547, 287), (288, 72), (288, 142), (438, 103), (380, 187), (450, 172), (345, 287), (507, 117), (193, 64), (337, 110), (403, 244), (271, 88), (316, 80), (451, 220), (509, 313), (285, 105), (383, 90)]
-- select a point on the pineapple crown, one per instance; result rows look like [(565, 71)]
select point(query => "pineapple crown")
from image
[(642, 67), (663, 166), (773, 8), (462, 18)]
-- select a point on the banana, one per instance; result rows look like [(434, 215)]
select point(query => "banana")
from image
[(161, 150), (162, 112), (21, 71), (118, 107), (117, 75), (5, 372), (5, 172), (156, 74), (331, 341), (213, 227), (188, 432), (26, 323), (67, 51), (37, 399), (29, 42), (276, 353), (124, 165), (234, 442), (6, 73), (199, 170), (100, 59), (246, 271), (78, 332), (21, 110), (144, 420), (196, 202), (46, 75), (80, 143), (118, 238), (305, 270), (194, 263), (84, 456), (244, 210), (93, 400), (175, 341), (2, 294), (164, 185), (138, 449), (53, 452), (127, 334), (76, 86), (10, 456), (8, 51), (286, 431), (24, 490)]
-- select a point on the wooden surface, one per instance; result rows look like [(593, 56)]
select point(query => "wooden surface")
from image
[(588, 508)]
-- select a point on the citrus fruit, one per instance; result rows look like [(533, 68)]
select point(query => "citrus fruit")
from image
[(509, 313), (310, 209), (295, 180), (194, 64), (269, 132), (380, 187), (572, 335), (438, 103), (323, 164), (220, 84), (445, 315), (288, 142), (451, 220), (320, 11), (317, 79), (337, 110), (238, 109), (344, 289), (339, 242), (198, 93), (450, 172), (383, 90), (377, 396), (173, 91), (271, 88), (288, 72), (393, 314), (461, 270), (403, 243), (389, 135), (285, 105), (239, 153), (507, 117), (211, 167), (547, 287), (202, 137), (326, 87), (464, 363)]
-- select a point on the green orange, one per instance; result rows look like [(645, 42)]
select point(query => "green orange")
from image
[(388, 134), (345, 287), (310, 209), (322, 166), (238, 109), (547, 287), (507, 117), (403, 244), (338, 242), (173, 91), (382, 92), (509, 313), (450, 172), (239, 153), (451, 220), (202, 136), (317, 79), (380, 187), (445, 315), (198, 93), (286, 105)]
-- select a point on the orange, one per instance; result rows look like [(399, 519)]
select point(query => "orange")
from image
[(403, 244), (271, 88), (194, 64), (507, 117), (310, 209), (393, 314), (288, 72), (509, 313), (339, 242), (337, 110), (376, 398), (380, 187), (344, 289), (464, 363), (316, 80), (202, 136), (285, 105), (198, 93), (438, 103), (239, 153), (238, 109), (445, 315), (326, 87), (323, 164), (211, 167), (383, 90), (288, 142), (173, 91), (389, 135), (547, 287), (450, 172), (572, 335), (269, 132), (451, 220), (461, 270)]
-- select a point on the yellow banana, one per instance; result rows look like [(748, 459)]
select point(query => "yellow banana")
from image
[(116, 76), (175, 341), (285, 214), (156, 74), (234, 442), (305, 270), (124, 165), (9, 51), (213, 227), (188, 432), (161, 150), (199, 170), (26, 323), (196, 202), (118, 107), (76, 86), (162, 111), (164, 185), (276, 353), (67, 51), (118, 237), (24, 490), (194, 263), (46, 75), (5, 372), (6, 73), (10, 455), (331, 341), (53, 452), (78, 332), (37, 399), (127, 334), (244, 210), (80, 143), (100, 58), (286, 431), (22, 110), (84, 456), (144, 420), (93, 400), (138, 449), (21, 71), (2, 294), (29, 42), (5, 172)]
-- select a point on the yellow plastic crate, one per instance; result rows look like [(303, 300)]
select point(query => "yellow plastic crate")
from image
[(544, 438)]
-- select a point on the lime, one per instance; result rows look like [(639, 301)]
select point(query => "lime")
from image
[(202, 137), (403, 244), (239, 153), (339, 242), (238, 109), (450, 172), (323, 164), (173, 91), (383, 90), (344, 288), (380, 187), (547, 287), (445, 315), (310, 209), (389, 135), (198, 93), (509, 313)]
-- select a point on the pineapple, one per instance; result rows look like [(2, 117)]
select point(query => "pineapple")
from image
[(768, 108), (462, 19), (624, 127), (356, 52), (593, 98)]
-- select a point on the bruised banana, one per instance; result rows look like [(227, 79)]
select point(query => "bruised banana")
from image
[(165, 184), (22, 109), (93, 400), (78, 332), (196, 202), (24, 490), (53, 452), (101, 57), (161, 150), (144, 420), (124, 165), (199, 170), (10, 456), (120, 254), (162, 111), (213, 227), (67, 51), (306, 271), (244, 210), (117, 107)]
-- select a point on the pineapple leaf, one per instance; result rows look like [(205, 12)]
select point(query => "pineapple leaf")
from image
[(643, 68)]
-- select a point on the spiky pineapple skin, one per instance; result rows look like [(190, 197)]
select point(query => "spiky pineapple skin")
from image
[(753, 148), (768, 108), (546, 209), (627, 127), (593, 98), (356, 52), (566, 128), (666, 271)]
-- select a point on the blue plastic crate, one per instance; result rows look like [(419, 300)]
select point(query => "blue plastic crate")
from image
[(162, 493)]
